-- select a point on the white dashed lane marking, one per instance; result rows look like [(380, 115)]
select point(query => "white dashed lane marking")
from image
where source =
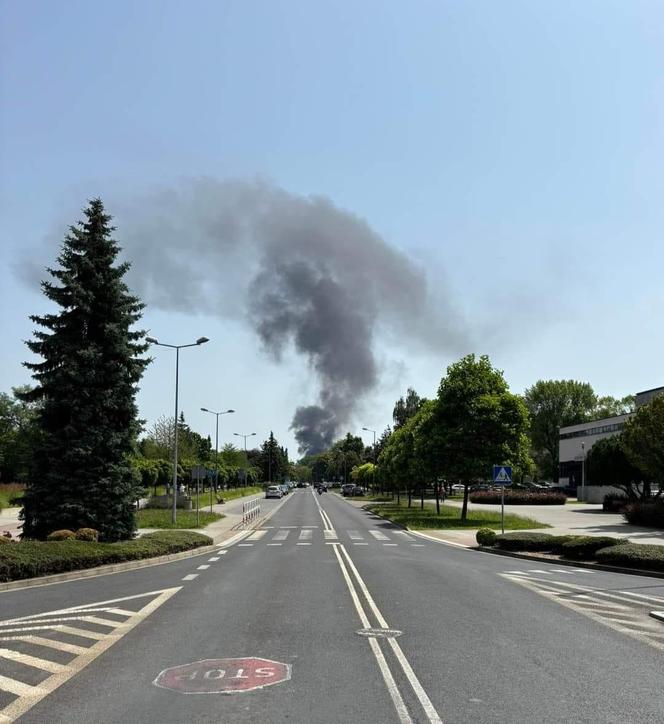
[(203, 567), (190, 577)]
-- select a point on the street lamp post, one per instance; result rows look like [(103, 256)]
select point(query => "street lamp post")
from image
[(373, 474), (583, 471), (177, 348), (216, 447), (249, 434)]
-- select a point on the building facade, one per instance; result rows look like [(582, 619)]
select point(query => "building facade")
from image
[(575, 441)]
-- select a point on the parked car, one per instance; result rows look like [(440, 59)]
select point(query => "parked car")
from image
[(274, 491), (285, 488), (358, 490), (347, 489)]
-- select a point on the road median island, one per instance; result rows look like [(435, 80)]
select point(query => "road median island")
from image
[(30, 559), (603, 552), (417, 518)]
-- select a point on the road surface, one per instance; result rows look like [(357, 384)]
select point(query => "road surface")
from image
[(353, 621)]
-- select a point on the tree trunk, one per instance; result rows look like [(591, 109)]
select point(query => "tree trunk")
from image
[(464, 509), (436, 486), (410, 497), (421, 497), (398, 495)]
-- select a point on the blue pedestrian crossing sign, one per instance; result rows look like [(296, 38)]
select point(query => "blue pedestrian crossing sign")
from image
[(502, 475)]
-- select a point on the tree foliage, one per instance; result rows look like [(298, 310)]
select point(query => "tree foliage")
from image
[(406, 408), (553, 404), (17, 430), (273, 461), (86, 383), (608, 463), (643, 440)]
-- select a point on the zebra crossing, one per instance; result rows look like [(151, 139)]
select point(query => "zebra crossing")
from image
[(307, 535), (628, 612), (38, 653)]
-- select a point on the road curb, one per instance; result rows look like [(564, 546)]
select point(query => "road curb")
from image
[(142, 563), (571, 564), (659, 615)]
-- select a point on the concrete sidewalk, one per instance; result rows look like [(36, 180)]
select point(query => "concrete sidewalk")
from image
[(219, 530)]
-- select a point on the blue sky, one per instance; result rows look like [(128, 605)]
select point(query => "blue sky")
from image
[(513, 149)]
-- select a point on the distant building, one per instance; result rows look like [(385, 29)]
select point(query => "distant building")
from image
[(575, 441)]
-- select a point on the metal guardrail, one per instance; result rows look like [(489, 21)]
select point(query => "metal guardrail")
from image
[(251, 510)]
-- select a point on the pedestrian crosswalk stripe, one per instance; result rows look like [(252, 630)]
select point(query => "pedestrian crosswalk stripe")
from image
[(611, 608), (27, 630), (257, 535), (281, 535), (34, 661), (378, 535)]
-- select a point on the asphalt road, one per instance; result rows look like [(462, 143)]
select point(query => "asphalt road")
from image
[(474, 637)]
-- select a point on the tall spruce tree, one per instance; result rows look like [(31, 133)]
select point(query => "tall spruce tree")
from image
[(86, 384)]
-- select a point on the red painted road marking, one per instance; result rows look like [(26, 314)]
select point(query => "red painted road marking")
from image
[(223, 676)]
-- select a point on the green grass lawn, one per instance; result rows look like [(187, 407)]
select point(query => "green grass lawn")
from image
[(225, 495), (450, 517), (155, 518), (7, 492)]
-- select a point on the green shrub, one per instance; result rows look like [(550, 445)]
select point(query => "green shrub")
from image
[(648, 514), (89, 534), (31, 558), (614, 503), (61, 535), (584, 547), (486, 537), (543, 542), (518, 497), (633, 555)]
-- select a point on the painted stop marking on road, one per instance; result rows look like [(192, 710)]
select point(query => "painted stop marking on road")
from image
[(223, 676)]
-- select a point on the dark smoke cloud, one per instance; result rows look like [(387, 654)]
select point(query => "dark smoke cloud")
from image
[(304, 272)]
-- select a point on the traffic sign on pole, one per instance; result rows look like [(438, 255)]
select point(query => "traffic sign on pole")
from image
[(502, 475)]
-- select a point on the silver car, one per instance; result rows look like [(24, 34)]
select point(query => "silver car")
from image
[(274, 491)]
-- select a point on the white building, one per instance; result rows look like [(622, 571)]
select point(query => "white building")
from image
[(575, 441)]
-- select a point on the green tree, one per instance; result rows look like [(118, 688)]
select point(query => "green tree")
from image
[(608, 406), (17, 429), (273, 460), (404, 409), (643, 440), (87, 379), (607, 463), (476, 422), (553, 404)]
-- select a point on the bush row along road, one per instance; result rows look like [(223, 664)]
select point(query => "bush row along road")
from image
[(483, 638)]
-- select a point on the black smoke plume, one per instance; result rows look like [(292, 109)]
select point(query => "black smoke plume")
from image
[(306, 273)]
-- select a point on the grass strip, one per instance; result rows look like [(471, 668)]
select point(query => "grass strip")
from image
[(225, 495), (28, 559), (450, 517), (162, 518)]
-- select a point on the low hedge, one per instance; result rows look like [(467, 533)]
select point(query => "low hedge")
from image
[(485, 537), (614, 503), (648, 514), (28, 559), (584, 547), (517, 497), (633, 555), (542, 542)]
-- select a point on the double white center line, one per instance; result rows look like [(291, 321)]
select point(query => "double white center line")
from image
[(346, 565)]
